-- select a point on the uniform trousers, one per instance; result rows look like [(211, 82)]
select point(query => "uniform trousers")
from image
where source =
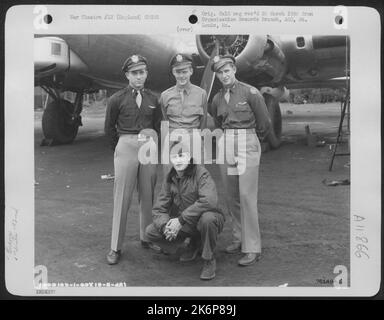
[(241, 188), (204, 233), (131, 174)]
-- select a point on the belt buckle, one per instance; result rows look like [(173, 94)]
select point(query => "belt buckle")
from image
[(141, 137)]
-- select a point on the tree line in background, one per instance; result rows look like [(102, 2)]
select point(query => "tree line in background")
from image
[(319, 95), (296, 96), (42, 98)]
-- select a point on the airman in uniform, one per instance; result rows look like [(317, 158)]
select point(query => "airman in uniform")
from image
[(184, 105), (187, 207), (129, 111), (239, 106)]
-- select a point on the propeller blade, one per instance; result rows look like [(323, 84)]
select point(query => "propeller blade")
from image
[(209, 76)]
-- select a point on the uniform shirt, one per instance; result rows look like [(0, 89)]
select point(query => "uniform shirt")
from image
[(246, 109), (186, 197), (124, 116), (184, 108)]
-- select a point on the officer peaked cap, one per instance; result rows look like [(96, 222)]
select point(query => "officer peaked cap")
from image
[(180, 60), (134, 62), (220, 61)]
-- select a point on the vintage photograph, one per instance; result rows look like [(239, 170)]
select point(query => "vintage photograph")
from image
[(192, 160)]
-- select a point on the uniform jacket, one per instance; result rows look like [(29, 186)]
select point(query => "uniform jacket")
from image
[(186, 197), (245, 109), (188, 113), (124, 116)]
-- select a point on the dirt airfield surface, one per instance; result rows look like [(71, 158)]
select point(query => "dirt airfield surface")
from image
[(304, 223)]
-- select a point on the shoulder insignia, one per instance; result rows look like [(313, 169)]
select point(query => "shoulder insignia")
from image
[(168, 90), (253, 90), (119, 93), (150, 92), (195, 87)]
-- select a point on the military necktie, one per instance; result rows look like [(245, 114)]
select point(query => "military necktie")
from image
[(139, 98), (182, 96), (227, 95)]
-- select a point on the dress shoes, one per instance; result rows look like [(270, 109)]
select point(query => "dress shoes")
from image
[(113, 257), (249, 259)]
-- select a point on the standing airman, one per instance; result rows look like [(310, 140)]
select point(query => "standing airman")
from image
[(184, 105), (239, 109), (129, 111)]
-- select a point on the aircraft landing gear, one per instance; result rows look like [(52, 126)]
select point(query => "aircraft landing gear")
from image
[(274, 136), (61, 119), (272, 96)]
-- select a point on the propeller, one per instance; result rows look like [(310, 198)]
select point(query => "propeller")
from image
[(209, 76), (228, 44)]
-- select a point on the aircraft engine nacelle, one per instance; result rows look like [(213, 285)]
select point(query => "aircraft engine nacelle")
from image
[(53, 56), (316, 57), (258, 57)]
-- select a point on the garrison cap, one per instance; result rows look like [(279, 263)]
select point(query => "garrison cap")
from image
[(134, 62), (180, 60), (220, 61)]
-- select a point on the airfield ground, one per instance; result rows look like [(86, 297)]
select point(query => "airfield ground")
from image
[(304, 223)]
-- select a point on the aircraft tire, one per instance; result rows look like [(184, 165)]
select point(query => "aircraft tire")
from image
[(57, 124), (274, 136)]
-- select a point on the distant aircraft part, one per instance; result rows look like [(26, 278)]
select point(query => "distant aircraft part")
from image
[(52, 55), (84, 63), (274, 136), (59, 126), (229, 44)]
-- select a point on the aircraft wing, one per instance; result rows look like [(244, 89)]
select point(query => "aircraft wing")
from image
[(89, 62), (85, 63)]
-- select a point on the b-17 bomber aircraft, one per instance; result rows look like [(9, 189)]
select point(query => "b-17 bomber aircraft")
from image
[(87, 63)]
